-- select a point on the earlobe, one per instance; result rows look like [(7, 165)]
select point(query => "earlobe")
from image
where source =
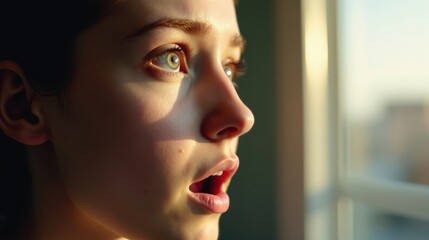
[(21, 117)]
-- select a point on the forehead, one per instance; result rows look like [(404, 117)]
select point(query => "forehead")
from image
[(219, 14)]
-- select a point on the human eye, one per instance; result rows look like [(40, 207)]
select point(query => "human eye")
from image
[(170, 60), (234, 69)]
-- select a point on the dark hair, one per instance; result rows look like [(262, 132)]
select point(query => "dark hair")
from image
[(40, 37)]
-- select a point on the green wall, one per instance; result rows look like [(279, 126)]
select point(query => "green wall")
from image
[(252, 214)]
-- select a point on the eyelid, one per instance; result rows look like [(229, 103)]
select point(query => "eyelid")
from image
[(239, 67), (181, 49)]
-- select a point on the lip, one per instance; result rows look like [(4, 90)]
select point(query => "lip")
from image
[(218, 200)]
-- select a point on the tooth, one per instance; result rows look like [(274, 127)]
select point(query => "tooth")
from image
[(218, 173)]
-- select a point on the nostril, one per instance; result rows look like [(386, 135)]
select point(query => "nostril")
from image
[(227, 132)]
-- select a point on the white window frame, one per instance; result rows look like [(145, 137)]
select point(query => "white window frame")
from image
[(312, 155)]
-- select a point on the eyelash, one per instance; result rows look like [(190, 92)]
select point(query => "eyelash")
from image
[(239, 68), (183, 50)]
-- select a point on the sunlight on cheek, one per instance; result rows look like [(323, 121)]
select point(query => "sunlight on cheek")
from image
[(155, 101), (122, 239)]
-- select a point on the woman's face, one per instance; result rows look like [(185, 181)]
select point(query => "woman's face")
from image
[(147, 141)]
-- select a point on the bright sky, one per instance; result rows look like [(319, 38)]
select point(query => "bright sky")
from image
[(384, 53)]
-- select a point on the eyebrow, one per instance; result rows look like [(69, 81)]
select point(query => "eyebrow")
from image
[(187, 26), (239, 42)]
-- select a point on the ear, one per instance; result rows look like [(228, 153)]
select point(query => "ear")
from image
[(21, 115)]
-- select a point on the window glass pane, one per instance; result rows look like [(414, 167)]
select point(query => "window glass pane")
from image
[(384, 87), (373, 224)]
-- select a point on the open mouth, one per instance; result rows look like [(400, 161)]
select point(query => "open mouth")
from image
[(211, 185), (209, 191)]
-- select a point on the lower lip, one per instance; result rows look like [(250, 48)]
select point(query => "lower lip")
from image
[(214, 203)]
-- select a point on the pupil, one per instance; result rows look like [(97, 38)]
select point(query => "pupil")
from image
[(174, 59)]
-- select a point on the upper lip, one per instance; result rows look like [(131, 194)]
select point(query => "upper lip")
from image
[(229, 167)]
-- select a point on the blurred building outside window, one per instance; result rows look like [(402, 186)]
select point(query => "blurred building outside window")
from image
[(367, 84)]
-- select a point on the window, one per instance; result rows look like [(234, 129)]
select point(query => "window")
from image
[(383, 63), (366, 111)]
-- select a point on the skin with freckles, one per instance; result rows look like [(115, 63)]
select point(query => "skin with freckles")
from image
[(150, 113)]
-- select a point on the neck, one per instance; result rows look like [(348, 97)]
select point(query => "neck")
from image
[(54, 214)]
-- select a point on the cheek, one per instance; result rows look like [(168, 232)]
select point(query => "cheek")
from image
[(127, 153), (129, 184)]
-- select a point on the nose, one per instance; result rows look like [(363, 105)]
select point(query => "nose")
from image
[(227, 116)]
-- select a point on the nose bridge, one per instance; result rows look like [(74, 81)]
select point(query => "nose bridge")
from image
[(227, 116)]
